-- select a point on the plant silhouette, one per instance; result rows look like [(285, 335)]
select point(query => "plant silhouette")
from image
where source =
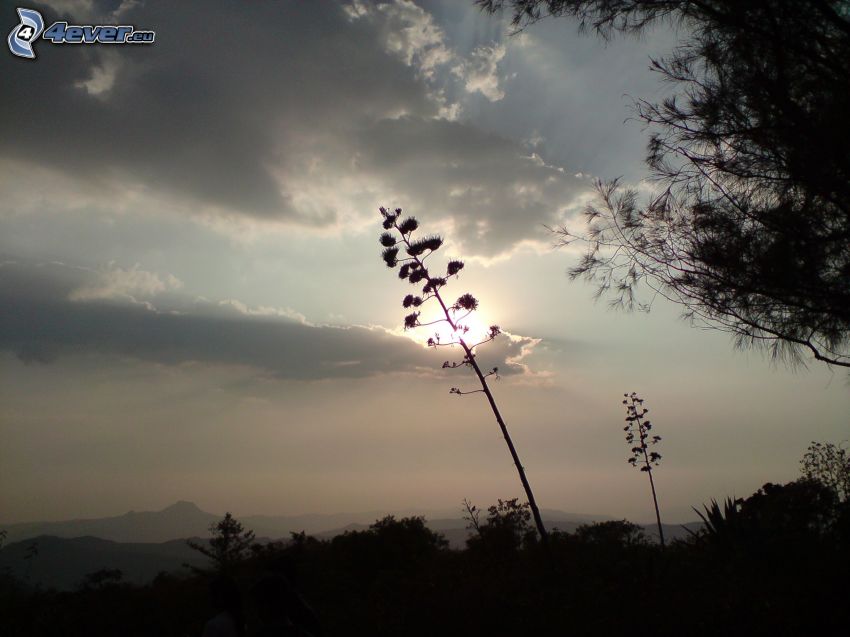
[(229, 544), (412, 268), (774, 563), (506, 531), (828, 463), (722, 527), (747, 230), (637, 434)]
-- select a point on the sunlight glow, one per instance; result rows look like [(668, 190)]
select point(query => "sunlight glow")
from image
[(477, 329)]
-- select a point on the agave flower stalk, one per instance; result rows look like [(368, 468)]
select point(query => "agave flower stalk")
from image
[(637, 434), (413, 268)]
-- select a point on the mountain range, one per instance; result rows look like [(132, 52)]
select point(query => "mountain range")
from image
[(143, 544), (185, 519)]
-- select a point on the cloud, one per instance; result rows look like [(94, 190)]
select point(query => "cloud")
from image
[(102, 77), (493, 193), (45, 320), (279, 114), (480, 71), (214, 110), (409, 32), (129, 284)]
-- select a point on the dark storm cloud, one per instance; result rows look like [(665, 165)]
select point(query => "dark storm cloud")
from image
[(306, 112), (223, 95), (496, 194), (41, 322)]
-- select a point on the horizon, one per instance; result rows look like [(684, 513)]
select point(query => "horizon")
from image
[(189, 245), (357, 516), (439, 513)]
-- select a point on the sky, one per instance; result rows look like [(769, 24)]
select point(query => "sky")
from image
[(195, 308)]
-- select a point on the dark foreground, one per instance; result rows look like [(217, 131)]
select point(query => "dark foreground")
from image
[(774, 564)]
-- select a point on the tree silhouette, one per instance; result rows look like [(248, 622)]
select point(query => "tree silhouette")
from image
[(412, 268), (102, 578), (229, 544), (611, 533), (749, 227), (828, 463), (637, 434), (506, 530)]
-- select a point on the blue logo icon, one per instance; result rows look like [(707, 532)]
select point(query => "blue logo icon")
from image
[(21, 38)]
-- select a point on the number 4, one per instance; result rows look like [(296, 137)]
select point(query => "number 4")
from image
[(56, 32), (25, 33)]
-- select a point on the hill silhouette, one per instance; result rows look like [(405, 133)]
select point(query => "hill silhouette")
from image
[(143, 544), (184, 519), (181, 519), (63, 563)]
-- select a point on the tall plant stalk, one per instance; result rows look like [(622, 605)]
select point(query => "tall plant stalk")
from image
[(413, 268), (637, 433)]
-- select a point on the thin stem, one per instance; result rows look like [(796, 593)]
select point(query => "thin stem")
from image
[(657, 512), (642, 433), (538, 520), (470, 357)]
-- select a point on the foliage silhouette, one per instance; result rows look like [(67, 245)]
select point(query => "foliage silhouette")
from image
[(794, 513), (390, 544), (783, 573), (230, 544), (101, 578), (637, 435), (413, 268), (828, 463), (506, 530), (775, 518), (721, 527), (749, 226), (612, 533)]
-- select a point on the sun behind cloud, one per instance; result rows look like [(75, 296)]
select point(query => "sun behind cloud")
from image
[(473, 327)]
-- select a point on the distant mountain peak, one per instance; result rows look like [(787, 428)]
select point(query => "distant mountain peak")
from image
[(182, 506)]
